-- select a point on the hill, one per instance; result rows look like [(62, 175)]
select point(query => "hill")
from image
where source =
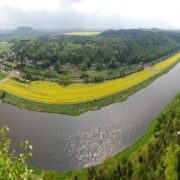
[(24, 31), (20, 33), (141, 32), (110, 47), (4, 31)]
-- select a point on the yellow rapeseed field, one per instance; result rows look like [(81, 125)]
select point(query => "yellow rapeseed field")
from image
[(82, 33), (49, 92)]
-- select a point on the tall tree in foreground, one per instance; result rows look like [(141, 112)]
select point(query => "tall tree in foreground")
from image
[(13, 166)]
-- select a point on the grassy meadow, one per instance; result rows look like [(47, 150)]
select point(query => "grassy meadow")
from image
[(4, 46), (9, 64), (50, 92)]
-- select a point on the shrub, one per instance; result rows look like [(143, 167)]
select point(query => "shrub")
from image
[(98, 79), (12, 165), (64, 80), (2, 94), (49, 175)]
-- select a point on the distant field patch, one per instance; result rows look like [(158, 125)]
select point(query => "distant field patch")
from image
[(82, 33), (49, 92), (2, 75), (9, 64), (4, 46)]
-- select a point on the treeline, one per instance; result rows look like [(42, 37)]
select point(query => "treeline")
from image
[(110, 49), (158, 159)]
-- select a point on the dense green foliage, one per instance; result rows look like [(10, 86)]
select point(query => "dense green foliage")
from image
[(143, 46), (12, 165), (159, 158), (9, 64), (4, 46)]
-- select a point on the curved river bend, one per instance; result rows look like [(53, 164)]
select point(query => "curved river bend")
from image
[(63, 142)]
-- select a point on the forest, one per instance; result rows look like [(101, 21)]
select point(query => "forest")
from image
[(108, 49)]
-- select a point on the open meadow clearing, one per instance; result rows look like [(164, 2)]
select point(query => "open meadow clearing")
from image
[(49, 92), (4, 46)]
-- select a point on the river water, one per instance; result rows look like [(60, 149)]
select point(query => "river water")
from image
[(64, 142)]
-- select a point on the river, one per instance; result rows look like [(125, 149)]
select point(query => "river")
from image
[(63, 142)]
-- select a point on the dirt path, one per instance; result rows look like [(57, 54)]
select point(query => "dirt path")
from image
[(5, 79), (149, 68)]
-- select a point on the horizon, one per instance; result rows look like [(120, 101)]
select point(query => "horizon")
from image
[(93, 28)]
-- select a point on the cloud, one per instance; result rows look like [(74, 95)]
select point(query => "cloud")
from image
[(90, 13), (31, 5)]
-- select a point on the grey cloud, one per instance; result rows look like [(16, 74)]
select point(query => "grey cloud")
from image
[(69, 19)]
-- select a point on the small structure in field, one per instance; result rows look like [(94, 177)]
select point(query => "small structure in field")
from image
[(15, 73), (178, 134)]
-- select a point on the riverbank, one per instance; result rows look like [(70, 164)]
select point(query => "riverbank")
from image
[(153, 132), (78, 108), (54, 93)]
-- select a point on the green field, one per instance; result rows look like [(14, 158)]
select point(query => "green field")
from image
[(4, 46), (9, 64), (2, 75)]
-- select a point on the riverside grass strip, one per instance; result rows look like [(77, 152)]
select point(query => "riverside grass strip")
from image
[(53, 93)]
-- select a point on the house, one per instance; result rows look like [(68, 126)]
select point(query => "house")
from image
[(28, 62), (15, 73), (2, 60)]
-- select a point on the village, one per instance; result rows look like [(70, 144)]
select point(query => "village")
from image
[(28, 69)]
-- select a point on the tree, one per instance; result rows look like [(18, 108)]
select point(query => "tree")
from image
[(98, 67), (87, 61), (2, 94), (91, 173), (130, 169), (109, 165), (170, 162), (98, 79), (13, 166), (113, 63), (58, 65), (85, 77), (83, 67), (64, 80), (49, 175)]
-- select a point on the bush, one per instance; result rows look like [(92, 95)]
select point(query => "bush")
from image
[(21, 80), (98, 79), (49, 175), (64, 80), (12, 165), (2, 94), (84, 75)]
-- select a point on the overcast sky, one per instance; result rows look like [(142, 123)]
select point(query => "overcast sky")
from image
[(106, 14)]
